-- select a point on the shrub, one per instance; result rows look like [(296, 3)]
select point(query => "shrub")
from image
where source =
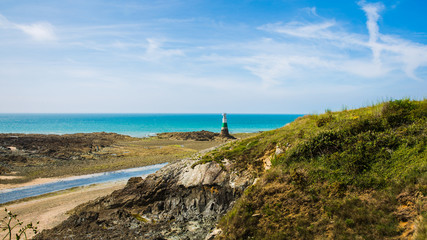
[(322, 121), (399, 112)]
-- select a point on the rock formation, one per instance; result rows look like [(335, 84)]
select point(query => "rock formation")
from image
[(183, 200), (196, 136)]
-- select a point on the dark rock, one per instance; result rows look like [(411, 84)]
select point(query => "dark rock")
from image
[(177, 202), (196, 136)]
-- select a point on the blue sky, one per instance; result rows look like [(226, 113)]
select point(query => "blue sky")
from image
[(194, 56)]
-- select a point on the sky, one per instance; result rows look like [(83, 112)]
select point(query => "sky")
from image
[(200, 56)]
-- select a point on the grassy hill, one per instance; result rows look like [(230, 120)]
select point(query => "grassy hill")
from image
[(356, 174)]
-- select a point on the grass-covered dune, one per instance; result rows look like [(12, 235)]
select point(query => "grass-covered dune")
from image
[(354, 174)]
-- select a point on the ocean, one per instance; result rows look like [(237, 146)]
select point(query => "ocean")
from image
[(139, 125)]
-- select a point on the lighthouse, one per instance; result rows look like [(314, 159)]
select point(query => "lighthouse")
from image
[(224, 128)]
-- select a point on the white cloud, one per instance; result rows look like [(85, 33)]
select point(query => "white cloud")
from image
[(313, 11), (39, 31), (372, 13), (298, 29), (155, 52), (325, 46), (273, 68)]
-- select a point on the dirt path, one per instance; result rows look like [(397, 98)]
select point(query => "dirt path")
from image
[(51, 210)]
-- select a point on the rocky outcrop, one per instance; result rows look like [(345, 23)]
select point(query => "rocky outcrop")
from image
[(180, 201), (39, 147), (21, 152), (196, 136)]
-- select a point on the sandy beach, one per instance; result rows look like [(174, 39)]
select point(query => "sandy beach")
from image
[(51, 210), (30, 183)]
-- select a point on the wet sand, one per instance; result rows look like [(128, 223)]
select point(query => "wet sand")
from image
[(51, 210), (30, 183)]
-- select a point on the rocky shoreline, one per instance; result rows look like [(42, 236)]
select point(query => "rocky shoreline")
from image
[(180, 201), (26, 150), (25, 157), (183, 200)]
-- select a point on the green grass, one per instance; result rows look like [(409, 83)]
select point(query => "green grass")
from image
[(342, 175)]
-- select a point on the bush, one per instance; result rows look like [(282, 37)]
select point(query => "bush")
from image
[(322, 121), (399, 112)]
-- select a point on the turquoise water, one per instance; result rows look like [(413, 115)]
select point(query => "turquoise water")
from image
[(138, 125)]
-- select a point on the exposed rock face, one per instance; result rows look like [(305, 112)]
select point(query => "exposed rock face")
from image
[(177, 202)]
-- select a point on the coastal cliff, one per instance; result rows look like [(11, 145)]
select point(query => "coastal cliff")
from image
[(183, 200)]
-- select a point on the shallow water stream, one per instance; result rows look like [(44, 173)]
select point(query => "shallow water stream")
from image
[(12, 194)]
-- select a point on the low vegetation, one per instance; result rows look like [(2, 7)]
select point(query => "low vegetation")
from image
[(354, 174), (13, 228), (35, 155)]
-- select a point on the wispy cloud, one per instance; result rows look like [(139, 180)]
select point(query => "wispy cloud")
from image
[(155, 52), (138, 51), (372, 13), (298, 29), (39, 31), (339, 50), (312, 11)]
